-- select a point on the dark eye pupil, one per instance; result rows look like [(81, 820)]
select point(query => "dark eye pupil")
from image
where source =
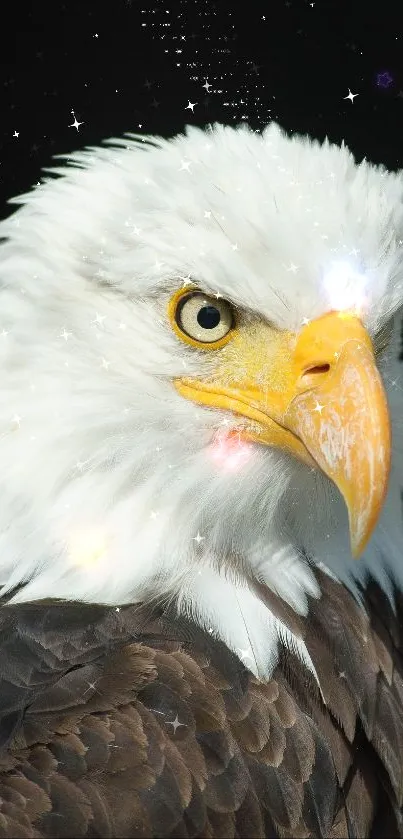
[(208, 317)]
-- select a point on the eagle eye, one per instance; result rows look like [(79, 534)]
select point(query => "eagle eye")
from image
[(202, 320)]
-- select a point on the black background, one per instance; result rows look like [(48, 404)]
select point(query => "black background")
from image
[(130, 65)]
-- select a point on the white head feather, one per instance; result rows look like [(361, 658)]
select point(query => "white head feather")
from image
[(109, 489)]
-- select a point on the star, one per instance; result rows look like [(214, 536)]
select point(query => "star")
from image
[(206, 85), (198, 538), (217, 296), (207, 214), (75, 124), (318, 407), (305, 321), (16, 134), (190, 106), (185, 166), (293, 268), (91, 686), (175, 723), (351, 96), (105, 364), (148, 84), (65, 335), (98, 318)]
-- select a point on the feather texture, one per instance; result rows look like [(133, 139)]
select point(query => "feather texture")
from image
[(136, 723)]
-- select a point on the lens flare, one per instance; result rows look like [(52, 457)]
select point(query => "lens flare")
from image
[(87, 548), (346, 288), (229, 451)]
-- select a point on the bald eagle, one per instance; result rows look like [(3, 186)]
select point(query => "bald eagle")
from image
[(200, 432)]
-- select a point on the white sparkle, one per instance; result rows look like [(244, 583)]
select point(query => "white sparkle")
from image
[(98, 319), (184, 167), (318, 407), (175, 723), (351, 96), (198, 538), (91, 686), (75, 124), (190, 106)]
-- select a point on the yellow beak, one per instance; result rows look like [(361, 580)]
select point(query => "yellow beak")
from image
[(323, 402)]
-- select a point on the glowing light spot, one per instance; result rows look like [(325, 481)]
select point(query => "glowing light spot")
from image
[(87, 548), (384, 79), (345, 288), (229, 451)]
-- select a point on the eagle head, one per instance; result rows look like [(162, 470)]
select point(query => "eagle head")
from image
[(200, 381)]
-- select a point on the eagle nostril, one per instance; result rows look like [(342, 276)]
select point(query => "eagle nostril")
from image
[(312, 375), (318, 368)]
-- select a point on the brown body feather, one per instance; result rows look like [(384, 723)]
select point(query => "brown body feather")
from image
[(118, 723)]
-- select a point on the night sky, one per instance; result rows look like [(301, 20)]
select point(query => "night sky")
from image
[(75, 74)]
